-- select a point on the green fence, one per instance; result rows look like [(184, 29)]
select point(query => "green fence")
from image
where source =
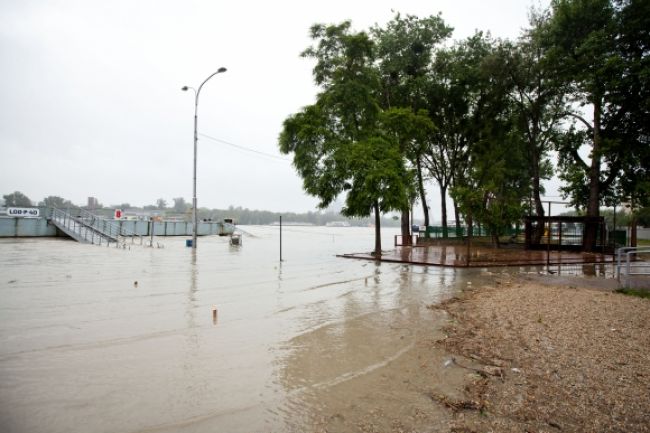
[(437, 232)]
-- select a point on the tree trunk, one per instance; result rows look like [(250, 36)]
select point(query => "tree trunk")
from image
[(593, 205), (539, 207), (406, 226), (423, 195), (443, 210), (633, 234), (457, 216), (495, 238), (470, 229), (377, 251)]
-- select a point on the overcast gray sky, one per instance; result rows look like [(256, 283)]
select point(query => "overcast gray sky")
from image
[(91, 102)]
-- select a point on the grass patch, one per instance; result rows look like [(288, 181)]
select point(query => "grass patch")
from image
[(643, 242), (641, 293)]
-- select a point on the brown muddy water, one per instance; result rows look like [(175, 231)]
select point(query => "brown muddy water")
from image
[(315, 340)]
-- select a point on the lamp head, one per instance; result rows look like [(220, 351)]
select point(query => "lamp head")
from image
[(185, 88), (221, 69)]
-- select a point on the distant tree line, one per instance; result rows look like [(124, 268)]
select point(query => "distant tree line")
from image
[(261, 217), (398, 106), (181, 209)]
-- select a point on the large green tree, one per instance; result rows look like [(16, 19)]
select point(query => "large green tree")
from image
[(412, 131), (599, 49), (338, 143), (404, 51), (538, 101), (631, 96), (455, 95), (493, 183)]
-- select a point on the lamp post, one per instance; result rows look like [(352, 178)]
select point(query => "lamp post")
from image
[(197, 92)]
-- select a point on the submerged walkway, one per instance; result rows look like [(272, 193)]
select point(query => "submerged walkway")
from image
[(456, 256)]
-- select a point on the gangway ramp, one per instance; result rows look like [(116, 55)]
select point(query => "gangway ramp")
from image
[(87, 228)]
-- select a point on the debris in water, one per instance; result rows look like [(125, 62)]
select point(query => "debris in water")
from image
[(135, 284)]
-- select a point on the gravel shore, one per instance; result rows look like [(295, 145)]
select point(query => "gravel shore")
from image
[(553, 358)]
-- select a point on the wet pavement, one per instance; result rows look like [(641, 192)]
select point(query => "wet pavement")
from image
[(479, 256)]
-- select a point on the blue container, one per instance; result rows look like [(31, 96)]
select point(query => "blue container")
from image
[(188, 242)]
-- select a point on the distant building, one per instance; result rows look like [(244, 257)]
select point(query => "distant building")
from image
[(93, 203)]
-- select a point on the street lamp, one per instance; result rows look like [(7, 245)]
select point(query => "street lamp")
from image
[(196, 108)]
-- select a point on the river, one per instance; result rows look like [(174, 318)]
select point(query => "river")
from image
[(97, 339)]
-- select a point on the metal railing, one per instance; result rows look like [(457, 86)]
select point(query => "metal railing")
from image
[(628, 263), (86, 227), (81, 227)]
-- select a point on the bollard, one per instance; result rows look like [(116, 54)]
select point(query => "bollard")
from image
[(214, 314)]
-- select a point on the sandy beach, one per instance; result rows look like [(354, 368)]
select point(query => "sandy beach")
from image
[(569, 357)]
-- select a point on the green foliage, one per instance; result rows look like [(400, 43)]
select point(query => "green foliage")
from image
[(180, 206), (480, 116), (17, 199), (538, 100), (56, 201), (412, 132), (490, 176), (623, 218), (574, 172), (246, 216), (377, 175), (493, 190), (634, 292), (643, 216), (598, 49), (338, 143), (405, 49), (454, 95)]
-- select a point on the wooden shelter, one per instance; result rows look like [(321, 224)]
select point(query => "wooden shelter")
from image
[(563, 233)]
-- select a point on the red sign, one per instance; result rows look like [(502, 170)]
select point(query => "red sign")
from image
[(118, 214)]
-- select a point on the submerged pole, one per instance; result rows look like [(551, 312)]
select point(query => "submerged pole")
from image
[(548, 240)]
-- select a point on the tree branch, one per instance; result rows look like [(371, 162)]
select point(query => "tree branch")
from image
[(582, 119)]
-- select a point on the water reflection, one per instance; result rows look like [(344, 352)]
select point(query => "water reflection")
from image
[(215, 315), (346, 360)]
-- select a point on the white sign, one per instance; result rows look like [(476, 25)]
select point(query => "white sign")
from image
[(23, 211)]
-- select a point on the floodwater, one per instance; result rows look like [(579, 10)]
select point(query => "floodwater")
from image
[(96, 339)]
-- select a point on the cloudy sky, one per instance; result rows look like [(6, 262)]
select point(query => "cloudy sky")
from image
[(91, 102)]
